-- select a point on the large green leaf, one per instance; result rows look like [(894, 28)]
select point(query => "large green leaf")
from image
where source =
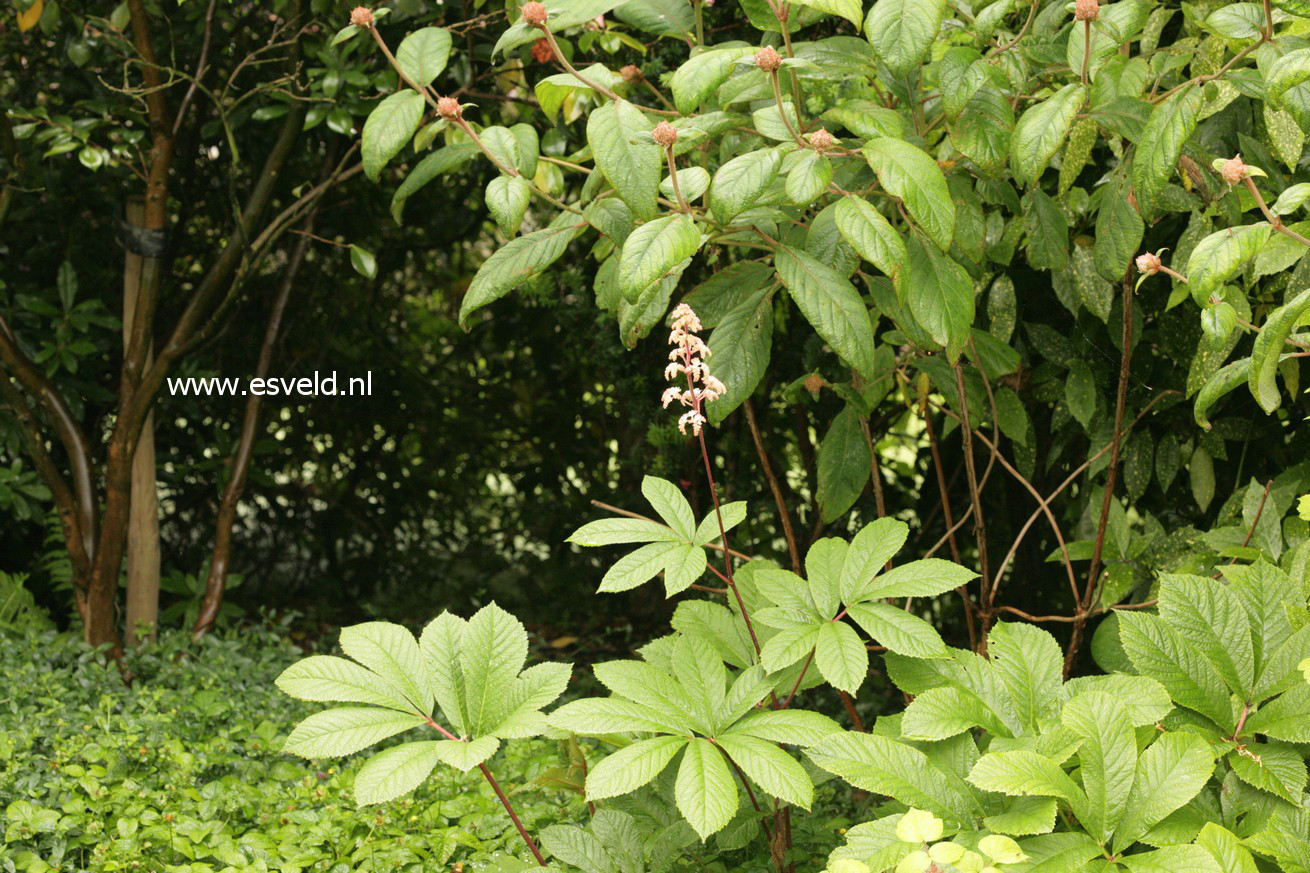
[(492, 653), (925, 578), (740, 347), (940, 295), (1025, 773), (390, 651), (705, 791), (633, 168), (1161, 144), (840, 655), (1041, 130), (632, 767), (1159, 651), (908, 173), (851, 10), (902, 31), (883, 766), (440, 162), (388, 127), (870, 234), (1286, 717), (844, 465), (1218, 258), (515, 263), (1030, 663), (830, 304), (424, 53), (898, 630), (507, 200), (1209, 615), (868, 554), (328, 679), (1173, 859), (1289, 71), (702, 74), (741, 181), (346, 730), (769, 767), (396, 771), (1107, 758), (654, 250), (1169, 774), (1268, 350)]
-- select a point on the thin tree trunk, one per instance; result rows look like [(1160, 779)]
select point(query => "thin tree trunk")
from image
[(219, 562), (143, 518)]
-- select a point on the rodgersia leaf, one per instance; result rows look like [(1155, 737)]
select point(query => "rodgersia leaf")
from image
[(1169, 774), (632, 767), (344, 731), (705, 791), (1107, 758), (396, 771)]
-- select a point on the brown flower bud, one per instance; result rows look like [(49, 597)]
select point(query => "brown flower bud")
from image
[(814, 383), (448, 107), (361, 16), (665, 134), (541, 51), (768, 59), (1234, 171), (822, 140), (1086, 10), (534, 13), (630, 73), (1148, 263)]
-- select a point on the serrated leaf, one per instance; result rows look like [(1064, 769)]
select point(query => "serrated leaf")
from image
[(388, 128), (902, 31), (1030, 663), (704, 790), (391, 652), (1210, 617), (616, 531), (741, 181), (1286, 717), (1170, 773), (943, 712), (395, 771), (633, 168), (840, 656), (870, 550), (515, 263), (777, 772), (335, 733), (831, 305), (1024, 816), (1158, 651), (492, 653), (910, 174), (1107, 758), (632, 766), (1041, 130), (653, 251), (898, 630), (1020, 773), (851, 10), (325, 678), (465, 756)]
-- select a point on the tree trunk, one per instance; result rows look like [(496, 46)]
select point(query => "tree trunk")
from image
[(143, 516)]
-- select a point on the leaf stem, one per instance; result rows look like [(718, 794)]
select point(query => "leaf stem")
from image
[(1274, 221)]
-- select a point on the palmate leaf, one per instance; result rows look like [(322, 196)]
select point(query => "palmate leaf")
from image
[(1160, 652), (472, 670)]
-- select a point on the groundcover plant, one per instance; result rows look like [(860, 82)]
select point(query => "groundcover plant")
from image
[(898, 192)]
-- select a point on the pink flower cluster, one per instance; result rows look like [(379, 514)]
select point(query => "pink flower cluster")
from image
[(687, 358)]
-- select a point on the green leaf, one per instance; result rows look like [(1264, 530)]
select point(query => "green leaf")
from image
[(669, 503), (1144, 699), (777, 772), (653, 251), (1207, 614), (577, 847), (1040, 132), (465, 756), (640, 566), (1277, 769), (741, 181), (334, 733), (1226, 848), (902, 32), (632, 767), (1107, 759), (395, 771), (843, 465), (1170, 773), (702, 74), (1268, 349), (1158, 651), (1286, 717), (596, 716), (883, 766), (740, 348), (908, 173), (616, 531), (1220, 256), (1170, 126), (515, 263), (650, 686), (1024, 773), (1048, 231), (440, 643), (324, 678), (633, 168), (984, 130), (831, 305), (440, 162), (1290, 71), (1023, 817), (1030, 663), (871, 235), (851, 10), (960, 76), (943, 712), (796, 726), (1119, 232), (898, 630), (1080, 393), (423, 54), (705, 791), (808, 178), (869, 551), (552, 91), (390, 651), (840, 655), (388, 127), (941, 298), (363, 262), (1173, 859), (507, 200), (492, 653), (731, 515), (925, 578)]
